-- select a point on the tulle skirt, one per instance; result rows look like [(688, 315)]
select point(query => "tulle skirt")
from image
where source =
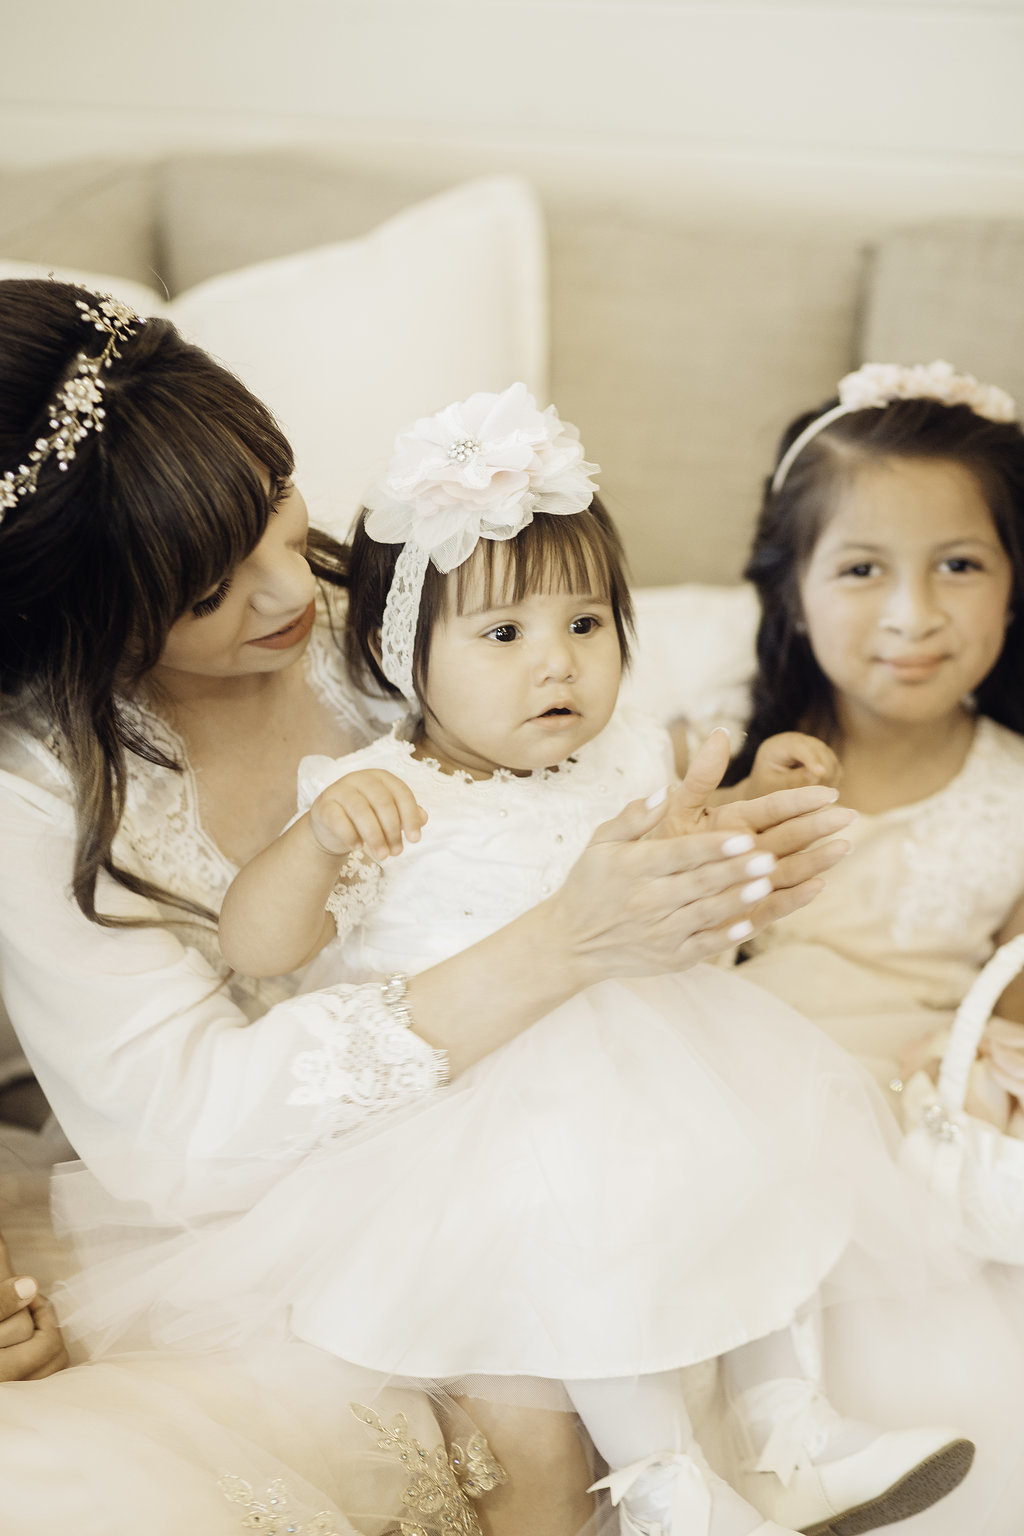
[(656, 1172)]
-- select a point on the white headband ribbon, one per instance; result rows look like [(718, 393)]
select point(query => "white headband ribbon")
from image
[(879, 384), (480, 469)]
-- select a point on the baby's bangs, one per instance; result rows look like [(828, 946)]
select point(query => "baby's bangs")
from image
[(552, 554)]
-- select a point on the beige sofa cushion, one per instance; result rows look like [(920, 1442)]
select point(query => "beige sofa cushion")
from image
[(681, 355), (97, 215), (951, 290)]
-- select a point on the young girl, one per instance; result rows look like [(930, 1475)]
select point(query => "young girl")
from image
[(890, 569), (704, 1176)]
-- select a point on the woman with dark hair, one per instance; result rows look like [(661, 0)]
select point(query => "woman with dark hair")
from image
[(166, 658)]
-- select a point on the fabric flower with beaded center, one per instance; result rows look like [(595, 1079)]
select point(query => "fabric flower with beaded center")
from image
[(481, 468)]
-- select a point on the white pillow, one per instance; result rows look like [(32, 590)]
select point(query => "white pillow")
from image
[(350, 342), (694, 655)]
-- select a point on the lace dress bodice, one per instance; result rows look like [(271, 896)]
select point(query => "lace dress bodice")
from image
[(491, 849), (889, 948)]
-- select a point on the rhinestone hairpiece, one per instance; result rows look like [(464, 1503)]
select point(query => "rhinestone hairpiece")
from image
[(78, 407), (876, 385)]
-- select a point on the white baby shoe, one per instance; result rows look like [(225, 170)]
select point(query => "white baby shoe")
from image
[(824, 1475), (676, 1493)]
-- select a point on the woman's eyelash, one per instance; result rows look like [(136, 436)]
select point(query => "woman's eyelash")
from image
[(208, 605)]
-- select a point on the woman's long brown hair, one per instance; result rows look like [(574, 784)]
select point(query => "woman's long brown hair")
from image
[(100, 560)]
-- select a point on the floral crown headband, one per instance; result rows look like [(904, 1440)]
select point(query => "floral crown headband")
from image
[(480, 469), (78, 408), (879, 384)]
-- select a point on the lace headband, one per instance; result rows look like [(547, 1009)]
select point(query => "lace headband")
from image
[(480, 469), (78, 407), (879, 384)]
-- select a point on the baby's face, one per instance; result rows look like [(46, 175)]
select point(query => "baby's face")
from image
[(520, 685)]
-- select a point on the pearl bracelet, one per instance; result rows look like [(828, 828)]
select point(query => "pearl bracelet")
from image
[(394, 993)]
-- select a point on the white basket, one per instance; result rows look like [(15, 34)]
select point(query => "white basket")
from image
[(970, 1165)]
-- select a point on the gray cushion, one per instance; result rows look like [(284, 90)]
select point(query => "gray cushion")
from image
[(96, 215), (953, 290)]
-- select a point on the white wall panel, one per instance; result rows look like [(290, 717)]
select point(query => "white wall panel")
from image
[(879, 103)]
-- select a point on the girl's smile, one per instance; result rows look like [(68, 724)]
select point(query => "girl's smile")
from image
[(906, 594)]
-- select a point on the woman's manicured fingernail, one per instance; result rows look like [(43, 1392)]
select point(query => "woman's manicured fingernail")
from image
[(658, 798), (25, 1288), (725, 732), (741, 843), (760, 864), (740, 931), (756, 889)]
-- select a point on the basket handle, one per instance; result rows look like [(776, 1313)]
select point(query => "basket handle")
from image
[(972, 1016)]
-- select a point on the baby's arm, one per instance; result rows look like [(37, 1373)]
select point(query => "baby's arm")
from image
[(274, 918)]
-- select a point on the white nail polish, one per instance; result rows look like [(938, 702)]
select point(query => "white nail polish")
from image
[(740, 931), (658, 798), (756, 889), (725, 732), (760, 864), (741, 843)]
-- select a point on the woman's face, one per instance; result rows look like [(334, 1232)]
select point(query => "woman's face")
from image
[(260, 617)]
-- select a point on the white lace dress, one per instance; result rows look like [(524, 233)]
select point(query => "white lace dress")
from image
[(888, 950), (657, 1171), (182, 1095)]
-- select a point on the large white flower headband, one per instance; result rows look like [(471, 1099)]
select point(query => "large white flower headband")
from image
[(78, 407), (879, 384), (480, 469)]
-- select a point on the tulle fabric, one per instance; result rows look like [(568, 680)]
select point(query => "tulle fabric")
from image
[(657, 1172)]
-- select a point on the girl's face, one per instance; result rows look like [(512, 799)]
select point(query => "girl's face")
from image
[(906, 595), (259, 618), (520, 685)]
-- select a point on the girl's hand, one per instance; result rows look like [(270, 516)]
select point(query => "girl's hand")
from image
[(789, 760), (371, 809)]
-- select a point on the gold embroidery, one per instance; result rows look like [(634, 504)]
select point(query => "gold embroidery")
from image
[(439, 1483), (273, 1514)]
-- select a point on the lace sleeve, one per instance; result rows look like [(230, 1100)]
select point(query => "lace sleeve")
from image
[(357, 890), (366, 1062)]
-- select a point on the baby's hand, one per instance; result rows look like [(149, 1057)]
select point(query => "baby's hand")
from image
[(371, 809), (789, 761)]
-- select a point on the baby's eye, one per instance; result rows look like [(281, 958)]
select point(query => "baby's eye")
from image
[(503, 633), (208, 605), (584, 624)]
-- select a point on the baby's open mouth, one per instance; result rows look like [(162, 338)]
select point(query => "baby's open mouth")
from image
[(559, 709)]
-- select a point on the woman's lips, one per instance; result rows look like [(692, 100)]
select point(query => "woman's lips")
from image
[(292, 633), (914, 666)]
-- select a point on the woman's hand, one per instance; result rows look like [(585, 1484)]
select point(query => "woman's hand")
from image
[(674, 881), (31, 1345)]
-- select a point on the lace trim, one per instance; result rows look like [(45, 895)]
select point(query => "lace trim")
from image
[(368, 1062), (356, 892), (974, 828), (442, 1484), (273, 1512)]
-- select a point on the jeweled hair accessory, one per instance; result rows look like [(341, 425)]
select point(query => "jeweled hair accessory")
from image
[(78, 407), (878, 384), (480, 469)]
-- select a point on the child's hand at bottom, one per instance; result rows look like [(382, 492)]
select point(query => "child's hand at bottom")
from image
[(789, 761), (370, 809)]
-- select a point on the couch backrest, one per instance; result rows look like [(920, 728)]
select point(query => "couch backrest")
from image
[(680, 352)]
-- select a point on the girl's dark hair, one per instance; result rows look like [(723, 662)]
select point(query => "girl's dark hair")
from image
[(581, 552), (790, 691), (99, 560)]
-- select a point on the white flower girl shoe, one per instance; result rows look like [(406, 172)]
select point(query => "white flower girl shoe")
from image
[(676, 1493)]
